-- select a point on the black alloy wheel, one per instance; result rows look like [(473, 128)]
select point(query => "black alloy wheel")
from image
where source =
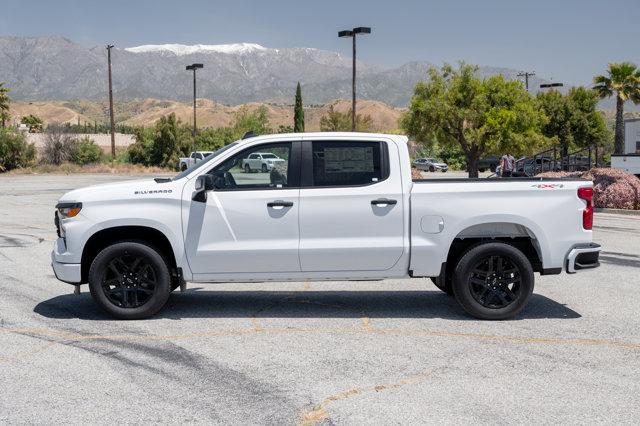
[(495, 282), (129, 281)]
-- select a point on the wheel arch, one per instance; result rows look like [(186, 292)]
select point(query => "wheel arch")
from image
[(107, 236), (526, 237)]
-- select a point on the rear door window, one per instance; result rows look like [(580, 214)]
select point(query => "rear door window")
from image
[(348, 163)]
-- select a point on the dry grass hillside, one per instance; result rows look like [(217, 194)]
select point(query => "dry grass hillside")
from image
[(210, 114)]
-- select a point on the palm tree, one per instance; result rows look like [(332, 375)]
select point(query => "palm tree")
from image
[(4, 103), (623, 80)]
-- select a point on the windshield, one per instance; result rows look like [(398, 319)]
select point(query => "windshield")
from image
[(206, 160)]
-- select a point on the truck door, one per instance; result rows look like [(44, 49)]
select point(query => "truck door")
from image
[(351, 206), (249, 223)]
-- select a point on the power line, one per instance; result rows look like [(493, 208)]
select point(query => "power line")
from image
[(526, 76)]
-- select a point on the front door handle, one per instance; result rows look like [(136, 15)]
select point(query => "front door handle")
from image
[(280, 204), (383, 202)]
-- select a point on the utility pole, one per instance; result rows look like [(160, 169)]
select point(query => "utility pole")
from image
[(526, 76), (352, 33), (113, 135), (194, 67)]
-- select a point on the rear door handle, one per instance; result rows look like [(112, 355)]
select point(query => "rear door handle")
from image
[(383, 202), (279, 203)]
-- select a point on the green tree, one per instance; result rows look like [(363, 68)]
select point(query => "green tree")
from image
[(5, 100), (171, 140), (488, 116), (14, 150), (336, 121), (573, 118), (256, 121), (139, 151), (33, 122), (623, 81), (86, 151), (298, 112)]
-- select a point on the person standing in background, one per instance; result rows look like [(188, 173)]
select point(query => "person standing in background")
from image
[(507, 165)]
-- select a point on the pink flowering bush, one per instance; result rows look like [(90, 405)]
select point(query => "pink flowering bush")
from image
[(613, 188)]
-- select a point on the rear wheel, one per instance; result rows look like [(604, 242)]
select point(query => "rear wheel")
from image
[(183, 167), (129, 280), (493, 281), (247, 168), (432, 169)]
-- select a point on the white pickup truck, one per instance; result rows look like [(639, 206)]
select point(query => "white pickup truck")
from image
[(342, 207), (196, 156)]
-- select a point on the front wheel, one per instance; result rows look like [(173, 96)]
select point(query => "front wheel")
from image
[(432, 169), (493, 281), (129, 280), (264, 168), (247, 168)]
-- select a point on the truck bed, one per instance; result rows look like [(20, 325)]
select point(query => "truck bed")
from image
[(547, 210)]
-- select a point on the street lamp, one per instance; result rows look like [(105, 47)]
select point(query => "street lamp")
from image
[(194, 67), (550, 85), (352, 33)]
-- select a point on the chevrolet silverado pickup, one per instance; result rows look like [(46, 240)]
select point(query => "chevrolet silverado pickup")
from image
[(340, 206)]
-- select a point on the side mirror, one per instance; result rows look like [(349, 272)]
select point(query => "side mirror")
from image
[(204, 183)]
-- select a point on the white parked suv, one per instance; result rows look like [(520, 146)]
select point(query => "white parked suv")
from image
[(260, 161), (343, 207)]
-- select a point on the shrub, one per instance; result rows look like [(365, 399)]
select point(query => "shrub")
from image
[(14, 150), (612, 188), (85, 151), (58, 147)]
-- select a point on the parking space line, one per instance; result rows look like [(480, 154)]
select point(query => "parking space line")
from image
[(319, 412)]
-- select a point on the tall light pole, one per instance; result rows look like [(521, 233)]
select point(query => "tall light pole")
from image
[(113, 135), (526, 76), (194, 67), (352, 33)]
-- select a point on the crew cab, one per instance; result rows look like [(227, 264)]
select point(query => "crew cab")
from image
[(340, 206), (193, 158)]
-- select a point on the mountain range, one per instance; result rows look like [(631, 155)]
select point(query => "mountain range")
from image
[(55, 68)]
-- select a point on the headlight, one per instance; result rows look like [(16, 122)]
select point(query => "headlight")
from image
[(67, 210)]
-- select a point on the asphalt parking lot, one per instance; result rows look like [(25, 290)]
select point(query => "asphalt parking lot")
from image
[(385, 352)]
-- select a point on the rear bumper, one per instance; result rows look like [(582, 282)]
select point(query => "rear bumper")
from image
[(583, 256)]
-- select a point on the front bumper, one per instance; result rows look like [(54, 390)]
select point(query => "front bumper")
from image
[(66, 272), (583, 256)]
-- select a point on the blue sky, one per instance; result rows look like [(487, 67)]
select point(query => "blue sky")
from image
[(567, 40)]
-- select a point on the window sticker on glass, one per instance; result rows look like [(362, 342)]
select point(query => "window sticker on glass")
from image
[(348, 159)]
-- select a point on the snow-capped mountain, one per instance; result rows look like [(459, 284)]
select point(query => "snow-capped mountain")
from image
[(55, 68), (183, 49)]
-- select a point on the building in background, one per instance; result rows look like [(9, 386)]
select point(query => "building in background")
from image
[(630, 160)]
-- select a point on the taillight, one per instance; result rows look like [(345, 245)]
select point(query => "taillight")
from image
[(586, 194)]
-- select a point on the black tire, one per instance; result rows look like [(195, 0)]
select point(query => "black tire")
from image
[(493, 281), (183, 167), (443, 170), (481, 169), (432, 169), (264, 168), (129, 280), (247, 168), (445, 286)]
